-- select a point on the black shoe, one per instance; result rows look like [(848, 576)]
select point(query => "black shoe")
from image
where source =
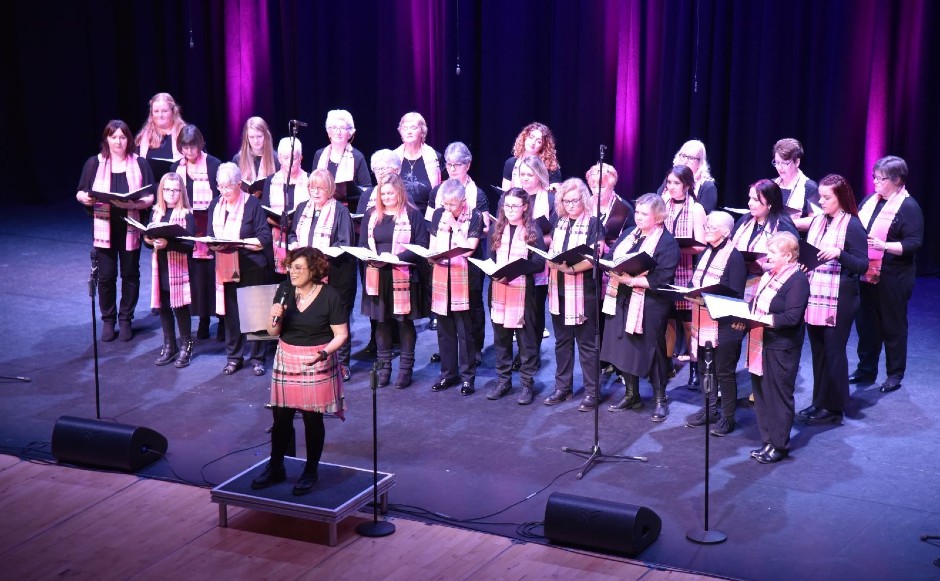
[(722, 427), (699, 418), (269, 477), (626, 403), (436, 358), (557, 397), (890, 384), (305, 483), (443, 384), (107, 332), (526, 395), (344, 372), (771, 455), (433, 325), (501, 389), (466, 388), (588, 403), (861, 377), (805, 413), (232, 366), (824, 416), (660, 411), (761, 450), (126, 332), (258, 369)]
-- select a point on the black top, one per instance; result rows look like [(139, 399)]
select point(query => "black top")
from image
[(788, 308), (593, 234), (783, 224), (118, 185), (619, 220), (165, 150), (212, 168), (417, 182), (554, 177), (666, 255), (254, 225), (476, 223), (906, 228), (361, 175), (341, 235), (384, 230), (707, 195), (536, 261), (811, 197), (735, 274), (312, 325)]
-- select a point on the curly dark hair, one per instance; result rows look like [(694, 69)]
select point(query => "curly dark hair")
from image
[(317, 261)]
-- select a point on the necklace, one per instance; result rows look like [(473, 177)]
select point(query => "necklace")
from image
[(411, 166), (315, 288)]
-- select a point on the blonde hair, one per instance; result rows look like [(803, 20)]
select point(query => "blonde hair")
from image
[(160, 204), (149, 129), (245, 163)]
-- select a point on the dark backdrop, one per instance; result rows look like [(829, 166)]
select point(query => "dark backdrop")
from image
[(849, 78)]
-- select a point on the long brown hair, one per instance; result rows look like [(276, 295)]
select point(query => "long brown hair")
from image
[(531, 234)]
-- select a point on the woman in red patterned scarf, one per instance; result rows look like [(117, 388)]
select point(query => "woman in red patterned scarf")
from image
[(833, 297), (308, 317), (685, 218), (256, 158), (721, 263), (116, 169), (237, 215), (198, 170), (170, 291), (282, 195), (514, 303), (534, 139), (393, 293), (345, 163), (634, 339), (895, 225), (322, 222), (572, 294), (774, 350), (157, 138), (455, 224)]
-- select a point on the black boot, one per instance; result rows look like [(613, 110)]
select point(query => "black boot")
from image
[(661, 409), (306, 481), (168, 353), (406, 366), (220, 330), (186, 353), (384, 372), (202, 332), (273, 473), (693, 376), (729, 404), (631, 399)]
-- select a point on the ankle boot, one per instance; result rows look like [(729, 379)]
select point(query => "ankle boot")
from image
[(273, 473), (729, 404), (406, 366), (661, 409), (220, 330), (631, 399), (526, 394), (168, 353), (384, 372), (186, 353)]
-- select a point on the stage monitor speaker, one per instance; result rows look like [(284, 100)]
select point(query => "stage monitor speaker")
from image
[(105, 444), (601, 525)]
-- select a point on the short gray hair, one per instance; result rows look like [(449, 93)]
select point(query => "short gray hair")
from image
[(284, 145), (228, 174), (451, 189), (457, 152), (385, 157), (344, 117)]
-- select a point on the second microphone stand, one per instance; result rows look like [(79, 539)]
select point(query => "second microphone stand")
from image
[(594, 454)]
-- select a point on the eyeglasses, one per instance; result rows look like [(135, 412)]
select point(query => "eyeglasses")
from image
[(513, 206), (298, 268), (332, 128), (687, 157), (776, 163), (879, 179), (226, 187), (573, 202), (452, 165), (171, 190)]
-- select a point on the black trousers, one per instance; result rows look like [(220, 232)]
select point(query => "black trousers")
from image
[(773, 395), (528, 350), (882, 320), (234, 338), (181, 314), (541, 295), (830, 362), (406, 333), (457, 346), (584, 336), (477, 319), (727, 355), (109, 262), (283, 431)]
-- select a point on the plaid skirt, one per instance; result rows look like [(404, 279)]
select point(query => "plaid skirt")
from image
[(315, 388)]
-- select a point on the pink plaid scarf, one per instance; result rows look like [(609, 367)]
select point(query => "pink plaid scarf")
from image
[(679, 223), (508, 304), (634, 323), (574, 283), (431, 164), (445, 239), (879, 229), (101, 211), (227, 223), (401, 275), (177, 264), (824, 280), (345, 167), (198, 173), (704, 328), (766, 291), (319, 235), (277, 201)]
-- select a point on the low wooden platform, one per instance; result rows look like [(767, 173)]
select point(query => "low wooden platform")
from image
[(60, 522)]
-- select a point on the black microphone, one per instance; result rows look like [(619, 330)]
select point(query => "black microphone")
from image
[(282, 301), (298, 123), (603, 151), (708, 378)]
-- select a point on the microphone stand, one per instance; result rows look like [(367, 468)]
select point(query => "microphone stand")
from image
[(376, 528), (594, 455), (92, 292), (705, 536)]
